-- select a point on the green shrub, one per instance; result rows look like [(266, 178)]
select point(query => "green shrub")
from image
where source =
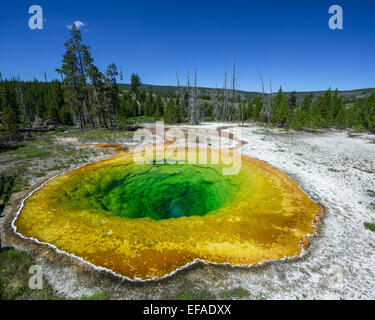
[(95, 296), (198, 295), (369, 226), (235, 293)]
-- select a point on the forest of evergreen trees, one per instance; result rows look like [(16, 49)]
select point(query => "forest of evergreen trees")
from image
[(86, 97)]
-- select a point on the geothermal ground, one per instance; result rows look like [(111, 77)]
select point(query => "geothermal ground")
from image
[(334, 168), (337, 171)]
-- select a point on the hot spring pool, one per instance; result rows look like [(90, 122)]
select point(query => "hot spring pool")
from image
[(146, 221)]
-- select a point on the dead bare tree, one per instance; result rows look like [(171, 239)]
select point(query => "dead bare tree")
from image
[(225, 102), (196, 114), (61, 75), (121, 75), (180, 98), (269, 113), (233, 93), (188, 93), (242, 111), (263, 112), (178, 81), (216, 104), (21, 102)]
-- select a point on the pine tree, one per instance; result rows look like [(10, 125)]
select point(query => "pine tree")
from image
[(325, 110), (292, 100), (9, 97), (306, 103), (158, 107), (171, 112), (98, 100), (135, 83), (148, 106), (249, 110), (370, 116), (258, 109), (75, 68), (9, 123), (281, 115), (112, 93)]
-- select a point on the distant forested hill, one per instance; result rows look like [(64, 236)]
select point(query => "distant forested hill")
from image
[(168, 90), (346, 95)]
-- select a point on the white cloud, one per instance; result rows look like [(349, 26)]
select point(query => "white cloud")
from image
[(78, 24)]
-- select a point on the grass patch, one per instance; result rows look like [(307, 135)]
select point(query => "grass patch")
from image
[(371, 193), (95, 296), (39, 174), (261, 296), (98, 135), (56, 167), (30, 150), (14, 277), (39, 154), (140, 119), (235, 293), (9, 183), (370, 226)]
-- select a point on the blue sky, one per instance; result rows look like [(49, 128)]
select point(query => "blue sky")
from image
[(289, 41)]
